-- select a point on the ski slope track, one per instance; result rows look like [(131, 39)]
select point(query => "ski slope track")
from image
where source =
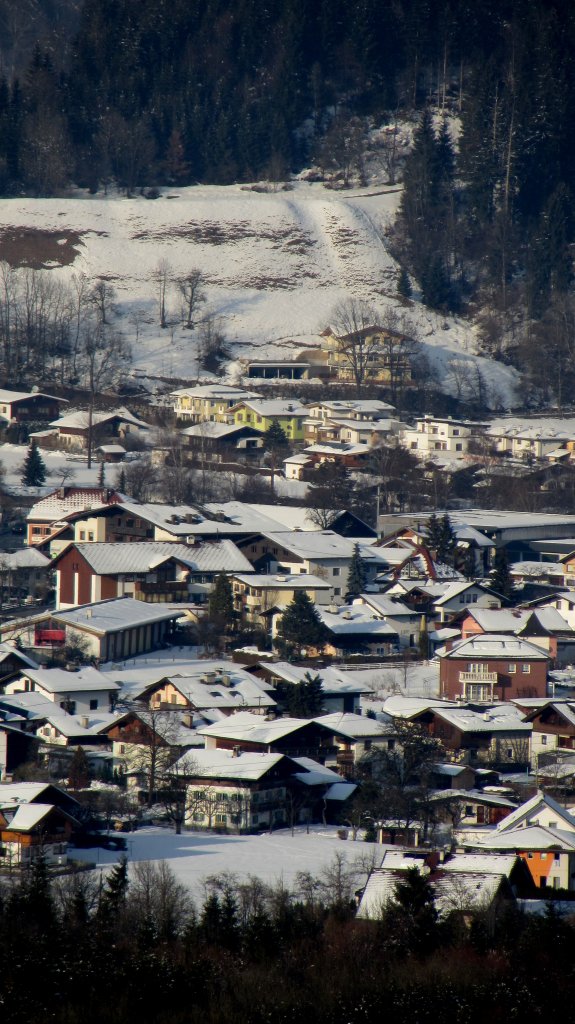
[(275, 265)]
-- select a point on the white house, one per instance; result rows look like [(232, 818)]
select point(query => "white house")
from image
[(441, 435)]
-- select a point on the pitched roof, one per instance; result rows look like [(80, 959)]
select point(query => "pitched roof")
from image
[(141, 557), (252, 728), (117, 614), (223, 764), (79, 419), (493, 645), (58, 680), (68, 500), (533, 806)]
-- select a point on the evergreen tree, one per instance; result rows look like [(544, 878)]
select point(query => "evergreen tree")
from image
[(447, 541), (300, 624), (303, 699), (404, 284), (113, 897), (122, 481), (500, 578), (221, 603), (276, 445), (79, 773), (414, 914), (433, 533), (357, 575), (33, 470), (102, 474)]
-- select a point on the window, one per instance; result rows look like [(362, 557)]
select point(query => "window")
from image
[(93, 705), (526, 668), (459, 447), (543, 741), (512, 668), (197, 816), (90, 535), (82, 535), (221, 819), (336, 572)]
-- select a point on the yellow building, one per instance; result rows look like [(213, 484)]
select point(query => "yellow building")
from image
[(208, 402), (261, 414), (371, 354)]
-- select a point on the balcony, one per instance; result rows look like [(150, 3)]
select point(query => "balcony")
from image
[(478, 677), (170, 590), (478, 685)]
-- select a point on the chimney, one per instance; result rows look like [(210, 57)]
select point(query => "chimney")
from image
[(85, 722), (188, 720), (236, 752)]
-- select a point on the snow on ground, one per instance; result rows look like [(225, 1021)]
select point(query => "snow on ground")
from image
[(272, 858), (404, 678), (276, 264), (61, 468)]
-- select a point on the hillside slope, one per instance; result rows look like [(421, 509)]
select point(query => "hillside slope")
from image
[(275, 265)]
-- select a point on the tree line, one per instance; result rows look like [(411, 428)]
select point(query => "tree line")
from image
[(221, 91), (132, 946)]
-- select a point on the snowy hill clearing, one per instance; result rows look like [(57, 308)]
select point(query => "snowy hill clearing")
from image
[(275, 266)]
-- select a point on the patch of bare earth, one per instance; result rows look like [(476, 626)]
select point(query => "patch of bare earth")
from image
[(40, 248), (215, 233)]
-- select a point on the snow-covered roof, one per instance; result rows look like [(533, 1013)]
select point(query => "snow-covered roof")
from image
[(283, 581), (210, 429), (140, 557), (58, 680), (67, 500), (225, 764), (9, 397), (240, 688), (249, 727), (79, 419), (386, 606), (354, 619), (500, 620), (494, 645), (28, 816), (534, 837), (334, 680), (313, 546), (528, 810), (272, 407), (542, 428), (117, 614), (359, 727), (500, 718), (453, 890), (214, 392)]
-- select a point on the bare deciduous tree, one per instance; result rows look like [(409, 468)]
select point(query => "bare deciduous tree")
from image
[(162, 276), (190, 286)]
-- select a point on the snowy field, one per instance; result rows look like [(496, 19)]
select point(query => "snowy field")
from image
[(275, 264), (275, 858)]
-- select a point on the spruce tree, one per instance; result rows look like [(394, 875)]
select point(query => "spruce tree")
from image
[(221, 602), (33, 470), (300, 624), (447, 541), (79, 773), (102, 474), (357, 575), (500, 579), (403, 284), (433, 533)]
